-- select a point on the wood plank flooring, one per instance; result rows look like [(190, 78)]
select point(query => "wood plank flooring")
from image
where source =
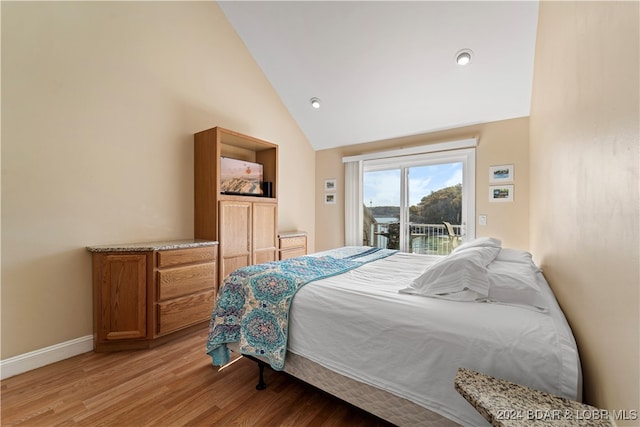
[(171, 385)]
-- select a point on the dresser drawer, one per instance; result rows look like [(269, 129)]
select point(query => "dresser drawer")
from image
[(174, 257), (292, 242), (182, 312), (180, 281), (292, 253)]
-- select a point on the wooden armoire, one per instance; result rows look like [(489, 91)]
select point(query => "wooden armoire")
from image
[(245, 226)]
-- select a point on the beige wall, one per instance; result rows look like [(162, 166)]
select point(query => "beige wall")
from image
[(99, 105), (503, 142), (585, 185)]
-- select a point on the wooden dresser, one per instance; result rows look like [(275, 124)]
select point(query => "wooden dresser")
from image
[(291, 244), (148, 293)]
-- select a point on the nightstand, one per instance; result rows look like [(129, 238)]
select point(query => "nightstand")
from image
[(292, 244)]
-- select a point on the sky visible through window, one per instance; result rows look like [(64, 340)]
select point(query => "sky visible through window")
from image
[(382, 188)]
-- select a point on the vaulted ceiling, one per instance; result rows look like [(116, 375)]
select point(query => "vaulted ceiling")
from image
[(386, 69)]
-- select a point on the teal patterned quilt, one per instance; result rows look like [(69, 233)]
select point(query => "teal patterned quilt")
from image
[(252, 307)]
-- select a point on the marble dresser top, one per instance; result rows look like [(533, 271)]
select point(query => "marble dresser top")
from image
[(292, 233), (152, 246), (504, 403)]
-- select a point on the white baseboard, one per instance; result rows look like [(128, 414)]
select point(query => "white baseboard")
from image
[(38, 358)]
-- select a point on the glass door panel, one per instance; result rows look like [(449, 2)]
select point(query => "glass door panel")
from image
[(434, 196), (382, 209)]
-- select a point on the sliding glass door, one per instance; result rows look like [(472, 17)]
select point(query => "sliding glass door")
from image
[(406, 202)]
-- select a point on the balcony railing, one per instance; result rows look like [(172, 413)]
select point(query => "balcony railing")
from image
[(431, 239)]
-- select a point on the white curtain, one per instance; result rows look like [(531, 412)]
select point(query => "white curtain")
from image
[(352, 203)]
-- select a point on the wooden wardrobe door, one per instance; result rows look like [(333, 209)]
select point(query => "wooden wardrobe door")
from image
[(265, 239), (234, 236)]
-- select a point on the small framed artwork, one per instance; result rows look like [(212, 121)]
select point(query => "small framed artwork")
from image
[(502, 173), (330, 184), (501, 193), (329, 199)]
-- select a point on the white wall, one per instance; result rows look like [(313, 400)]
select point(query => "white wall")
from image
[(585, 185), (100, 101), (501, 142)]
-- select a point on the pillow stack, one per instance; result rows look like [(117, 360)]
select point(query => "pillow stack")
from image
[(482, 271), (513, 280)]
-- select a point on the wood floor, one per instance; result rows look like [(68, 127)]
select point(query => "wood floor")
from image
[(171, 385)]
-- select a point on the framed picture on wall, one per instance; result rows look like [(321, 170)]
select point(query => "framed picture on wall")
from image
[(329, 199), (502, 173), (330, 184), (501, 193)]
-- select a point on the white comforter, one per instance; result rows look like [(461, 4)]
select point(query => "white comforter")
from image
[(358, 325)]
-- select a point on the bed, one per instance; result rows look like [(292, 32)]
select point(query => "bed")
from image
[(387, 331)]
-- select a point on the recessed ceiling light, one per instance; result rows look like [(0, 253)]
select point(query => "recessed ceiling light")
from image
[(463, 57), (315, 102)]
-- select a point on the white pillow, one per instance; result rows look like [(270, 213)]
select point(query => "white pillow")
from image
[(484, 254), (514, 255), (460, 277), (515, 283), (479, 242)]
